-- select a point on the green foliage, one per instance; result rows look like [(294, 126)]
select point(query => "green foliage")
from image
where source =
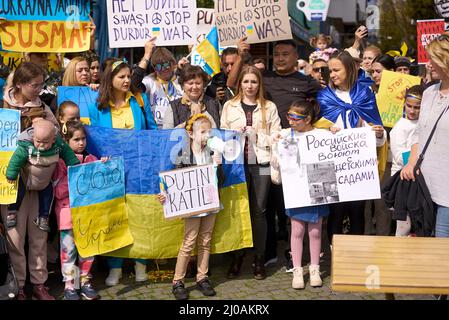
[(398, 22), (205, 3)]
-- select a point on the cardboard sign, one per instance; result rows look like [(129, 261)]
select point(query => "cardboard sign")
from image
[(391, 96), (260, 21), (319, 167), (314, 10), (131, 23), (427, 30), (45, 26), (190, 191), (82, 96), (205, 22), (13, 59), (97, 202), (9, 136)]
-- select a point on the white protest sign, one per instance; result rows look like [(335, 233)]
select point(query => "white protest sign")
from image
[(190, 191), (131, 23), (205, 22), (260, 21), (314, 10), (319, 167)]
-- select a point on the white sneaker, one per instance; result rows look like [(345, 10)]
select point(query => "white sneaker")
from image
[(298, 279), (115, 274), (315, 279), (141, 272)]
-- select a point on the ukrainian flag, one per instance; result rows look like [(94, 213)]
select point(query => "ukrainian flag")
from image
[(145, 154), (208, 49)]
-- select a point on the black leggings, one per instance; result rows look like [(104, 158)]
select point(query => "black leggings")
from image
[(355, 210), (258, 182)]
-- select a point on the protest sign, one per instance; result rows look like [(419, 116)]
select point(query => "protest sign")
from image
[(391, 96), (13, 59), (131, 23), (82, 96), (97, 202), (264, 21), (320, 167), (427, 30), (205, 22), (9, 136), (190, 191), (45, 26)]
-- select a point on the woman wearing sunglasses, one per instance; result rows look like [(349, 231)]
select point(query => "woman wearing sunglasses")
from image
[(346, 103), (257, 118), (162, 86)]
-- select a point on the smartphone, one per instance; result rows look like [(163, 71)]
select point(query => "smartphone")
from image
[(325, 74)]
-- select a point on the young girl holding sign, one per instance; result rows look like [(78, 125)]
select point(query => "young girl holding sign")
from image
[(75, 136), (199, 227), (301, 117)]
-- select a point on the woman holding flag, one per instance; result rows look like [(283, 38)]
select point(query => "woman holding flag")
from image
[(345, 103)]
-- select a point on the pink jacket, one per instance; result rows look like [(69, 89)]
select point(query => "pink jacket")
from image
[(61, 192)]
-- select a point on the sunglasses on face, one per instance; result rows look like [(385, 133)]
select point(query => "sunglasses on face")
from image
[(321, 69), (162, 66)]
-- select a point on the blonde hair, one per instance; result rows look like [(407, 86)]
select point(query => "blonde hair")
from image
[(196, 117), (438, 51), (261, 92), (376, 50), (69, 78)]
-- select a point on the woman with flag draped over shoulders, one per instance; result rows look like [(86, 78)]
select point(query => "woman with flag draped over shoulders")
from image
[(346, 103), (121, 106)]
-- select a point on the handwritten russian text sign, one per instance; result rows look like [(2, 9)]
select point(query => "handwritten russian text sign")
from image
[(330, 167), (9, 135), (45, 26), (260, 21), (97, 202), (190, 191), (82, 96), (131, 23), (391, 96)]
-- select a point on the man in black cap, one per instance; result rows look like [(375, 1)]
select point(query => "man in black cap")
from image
[(402, 64)]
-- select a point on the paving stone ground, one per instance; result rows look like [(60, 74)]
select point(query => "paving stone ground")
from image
[(277, 285)]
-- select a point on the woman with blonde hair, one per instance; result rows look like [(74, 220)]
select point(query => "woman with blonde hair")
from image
[(257, 118), (77, 72), (434, 106)]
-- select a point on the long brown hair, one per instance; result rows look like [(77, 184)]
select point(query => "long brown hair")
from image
[(351, 71), (105, 91), (261, 91), (25, 72)]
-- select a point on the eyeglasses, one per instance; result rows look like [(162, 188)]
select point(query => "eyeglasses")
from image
[(36, 86), (162, 66), (321, 69)]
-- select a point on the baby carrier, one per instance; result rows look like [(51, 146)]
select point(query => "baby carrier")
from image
[(9, 287)]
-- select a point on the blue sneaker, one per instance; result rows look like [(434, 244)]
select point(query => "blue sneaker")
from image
[(88, 292), (71, 294)]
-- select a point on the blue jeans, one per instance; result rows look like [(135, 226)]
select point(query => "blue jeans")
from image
[(442, 224)]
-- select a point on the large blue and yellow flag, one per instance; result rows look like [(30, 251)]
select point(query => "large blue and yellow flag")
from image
[(97, 203), (208, 49), (146, 153)]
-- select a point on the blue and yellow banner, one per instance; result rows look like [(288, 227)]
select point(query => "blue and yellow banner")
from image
[(9, 136), (208, 50), (97, 202), (82, 96), (45, 25), (146, 153)]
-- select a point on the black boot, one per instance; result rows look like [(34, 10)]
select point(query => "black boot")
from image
[(236, 265), (259, 268)]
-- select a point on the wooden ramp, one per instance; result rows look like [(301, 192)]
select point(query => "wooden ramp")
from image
[(380, 264)]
